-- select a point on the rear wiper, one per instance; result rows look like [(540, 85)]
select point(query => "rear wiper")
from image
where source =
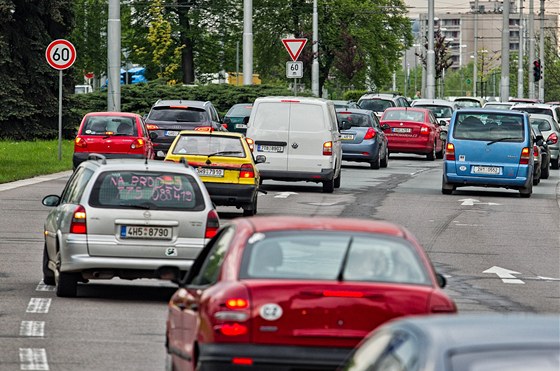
[(223, 153), (340, 275), (143, 206), (502, 139)]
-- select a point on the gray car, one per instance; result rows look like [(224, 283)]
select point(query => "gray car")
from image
[(125, 218), (441, 108), (550, 130)]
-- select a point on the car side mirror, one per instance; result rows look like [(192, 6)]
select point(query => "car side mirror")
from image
[(385, 126), (345, 125), (260, 159), (153, 135), (441, 280), (51, 200)]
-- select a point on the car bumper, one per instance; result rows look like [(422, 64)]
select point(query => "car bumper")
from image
[(324, 175), (554, 152), (478, 181), (271, 357), (360, 152), (227, 194), (80, 157), (413, 146)]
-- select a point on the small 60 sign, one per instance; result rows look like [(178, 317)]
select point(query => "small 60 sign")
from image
[(60, 54), (294, 70)]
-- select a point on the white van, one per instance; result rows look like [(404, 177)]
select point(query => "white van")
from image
[(300, 138)]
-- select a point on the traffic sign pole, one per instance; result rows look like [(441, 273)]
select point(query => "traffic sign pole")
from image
[(59, 115)]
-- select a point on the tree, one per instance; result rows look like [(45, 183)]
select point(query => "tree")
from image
[(443, 59)]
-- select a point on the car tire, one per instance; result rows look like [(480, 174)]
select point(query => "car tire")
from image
[(439, 154), (545, 172), (67, 285), (555, 163), (385, 159), (328, 186), (526, 192), (432, 155), (337, 179), (251, 209), (447, 188), (376, 164), (48, 274), (536, 181)]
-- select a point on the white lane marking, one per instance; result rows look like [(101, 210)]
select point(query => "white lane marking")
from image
[(548, 278), (472, 201), (42, 287), (322, 203), (38, 305), (32, 328), (33, 359), (284, 194), (506, 275)]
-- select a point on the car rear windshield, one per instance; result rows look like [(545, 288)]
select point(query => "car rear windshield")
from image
[(542, 125), (186, 114), (519, 356), (439, 112), (540, 111), (240, 110), (327, 255), (467, 104), (204, 145), (489, 127), (404, 115), (355, 119), (109, 125), (150, 190), (376, 105)]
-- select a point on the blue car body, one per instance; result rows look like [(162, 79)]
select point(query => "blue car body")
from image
[(489, 148)]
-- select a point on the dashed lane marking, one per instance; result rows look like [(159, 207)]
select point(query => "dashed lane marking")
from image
[(32, 328), (33, 359), (42, 287), (38, 305)]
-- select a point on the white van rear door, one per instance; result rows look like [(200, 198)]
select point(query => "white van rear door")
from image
[(308, 131), (270, 133)]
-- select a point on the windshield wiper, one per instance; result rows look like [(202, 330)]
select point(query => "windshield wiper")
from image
[(340, 276), (502, 139), (222, 153), (143, 206)]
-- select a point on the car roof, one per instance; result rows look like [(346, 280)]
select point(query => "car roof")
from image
[(191, 103), (212, 133), (418, 109), (486, 111), (536, 105), (540, 116), (354, 110), (280, 223), (439, 102), (292, 99), (103, 163), (111, 113), (387, 96)]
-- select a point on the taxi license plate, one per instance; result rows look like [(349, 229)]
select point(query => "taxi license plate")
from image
[(265, 148), (203, 171), (171, 133), (401, 130), (490, 170), (240, 126), (156, 233), (346, 137)]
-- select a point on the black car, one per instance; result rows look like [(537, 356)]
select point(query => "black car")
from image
[(168, 117)]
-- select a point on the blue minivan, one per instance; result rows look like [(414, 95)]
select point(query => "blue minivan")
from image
[(489, 148)]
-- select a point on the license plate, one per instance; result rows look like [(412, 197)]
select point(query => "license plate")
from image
[(171, 133), (265, 148), (204, 171), (346, 137), (401, 130), (156, 233), (240, 126), (490, 170)]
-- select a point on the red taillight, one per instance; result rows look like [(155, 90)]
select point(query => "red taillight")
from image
[(242, 361), (552, 138), (80, 142), (212, 224), (370, 133), (251, 143), (424, 130), (152, 127), (78, 224), (207, 129), (342, 294), (327, 148), (234, 329), (450, 152), (247, 171), (525, 156), (535, 150), (237, 303), (138, 143), (224, 126)]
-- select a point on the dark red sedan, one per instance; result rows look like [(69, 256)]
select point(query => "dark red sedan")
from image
[(293, 292), (414, 130)]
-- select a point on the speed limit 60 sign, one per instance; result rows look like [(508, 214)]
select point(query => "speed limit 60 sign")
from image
[(294, 70), (60, 54)]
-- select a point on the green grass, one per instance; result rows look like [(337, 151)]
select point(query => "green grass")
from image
[(22, 160)]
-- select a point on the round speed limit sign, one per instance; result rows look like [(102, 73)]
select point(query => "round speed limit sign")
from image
[(60, 54)]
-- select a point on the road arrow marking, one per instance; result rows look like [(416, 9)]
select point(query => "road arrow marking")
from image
[(472, 201), (284, 194), (506, 275)]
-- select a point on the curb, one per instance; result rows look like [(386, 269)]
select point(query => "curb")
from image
[(34, 180)]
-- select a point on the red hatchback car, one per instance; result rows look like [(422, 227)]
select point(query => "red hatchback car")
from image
[(112, 134), (414, 130), (296, 293)]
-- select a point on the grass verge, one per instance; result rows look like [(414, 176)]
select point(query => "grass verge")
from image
[(22, 160)]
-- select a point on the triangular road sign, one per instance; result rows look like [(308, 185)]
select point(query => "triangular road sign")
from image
[(294, 47)]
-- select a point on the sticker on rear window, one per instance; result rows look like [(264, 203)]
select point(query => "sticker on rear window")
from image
[(256, 237), (271, 312)]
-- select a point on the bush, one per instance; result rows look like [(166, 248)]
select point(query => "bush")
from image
[(354, 94)]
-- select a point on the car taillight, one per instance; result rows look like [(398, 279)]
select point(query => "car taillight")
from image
[(327, 148), (525, 156), (212, 224), (242, 361), (370, 133), (450, 152), (207, 129), (424, 130), (251, 143), (552, 138), (80, 142), (247, 171), (78, 224), (138, 143), (152, 127), (234, 329), (224, 126)]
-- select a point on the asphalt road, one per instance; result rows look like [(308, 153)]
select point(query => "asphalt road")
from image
[(500, 253)]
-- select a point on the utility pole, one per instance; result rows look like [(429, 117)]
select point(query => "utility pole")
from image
[(247, 42), (114, 56), (541, 54), (315, 49), (520, 54), (504, 81), (431, 57), (531, 30), (475, 66)]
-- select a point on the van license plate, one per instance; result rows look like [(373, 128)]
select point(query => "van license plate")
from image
[(265, 148), (204, 171), (490, 170), (171, 133), (157, 233)]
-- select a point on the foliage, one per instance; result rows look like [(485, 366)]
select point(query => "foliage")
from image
[(354, 95), (442, 54)]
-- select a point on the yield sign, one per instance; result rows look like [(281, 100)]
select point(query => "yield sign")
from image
[(294, 47)]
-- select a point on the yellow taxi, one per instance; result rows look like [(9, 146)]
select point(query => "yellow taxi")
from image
[(224, 162)]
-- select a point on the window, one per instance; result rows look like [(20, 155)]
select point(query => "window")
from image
[(240, 110), (355, 119), (210, 269), (204, 145), (489, 127), (308, 117), (102, 125), (272, 116), (76, 185), (376, 105), (178, 114), (404, 115), (438, 111)]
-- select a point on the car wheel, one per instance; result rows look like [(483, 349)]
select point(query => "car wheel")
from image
[(251, 209), (48, 274), (447, 188), (432, 155), (385, 159), (67, 285), (376, 164), (536, 181), (337, 180), (328, 186), (555, 163), (439, 154), (545, 172), (525, 192)]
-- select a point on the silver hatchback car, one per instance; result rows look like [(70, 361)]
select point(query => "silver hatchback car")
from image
[(125, 218)]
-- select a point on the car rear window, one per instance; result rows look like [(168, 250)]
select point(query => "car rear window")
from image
[(240, 110), (186, 114), (489, 127), (113, 125), (542, 125), (204, 145), (355, 119), (404, 115), (438, 111), (329, 255), (151, 190), (540, 111), (376, 105)]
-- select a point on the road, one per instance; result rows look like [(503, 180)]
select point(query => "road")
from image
[(499, 252)]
